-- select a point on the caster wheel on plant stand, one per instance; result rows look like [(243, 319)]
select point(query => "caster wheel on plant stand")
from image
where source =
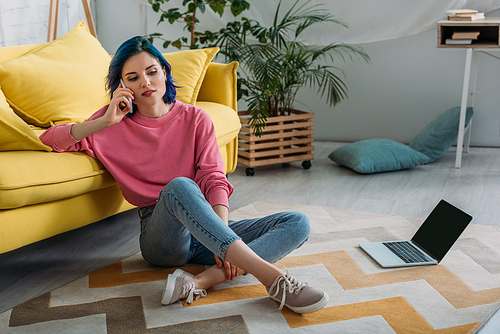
[(306, 164), (250, 171)]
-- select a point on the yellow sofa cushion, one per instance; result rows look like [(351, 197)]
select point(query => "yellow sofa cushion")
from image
[(59, 82), (226, 121), (11, 52), (15, 134), (30, 177), (188, 70)]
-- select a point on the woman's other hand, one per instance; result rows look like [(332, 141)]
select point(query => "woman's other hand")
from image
[(231, 270)]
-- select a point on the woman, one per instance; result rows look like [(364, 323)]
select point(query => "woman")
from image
[(164, 156)]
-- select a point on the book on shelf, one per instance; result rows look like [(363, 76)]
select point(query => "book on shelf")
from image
[(450, 41), (468, 35), (467, 17), (453, 12)]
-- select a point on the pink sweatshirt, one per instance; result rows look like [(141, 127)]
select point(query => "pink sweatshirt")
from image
[(145, 154)]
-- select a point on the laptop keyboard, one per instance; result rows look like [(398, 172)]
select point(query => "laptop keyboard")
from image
[(406, 251)]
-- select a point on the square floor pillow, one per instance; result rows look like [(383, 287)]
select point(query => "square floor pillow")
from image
[(377, 155), (440, 134)]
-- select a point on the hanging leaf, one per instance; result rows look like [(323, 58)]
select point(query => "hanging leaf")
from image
[(177, 44), (201, 5)]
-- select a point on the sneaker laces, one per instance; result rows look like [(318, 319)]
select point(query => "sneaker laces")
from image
[(288, 283), (190, 292)]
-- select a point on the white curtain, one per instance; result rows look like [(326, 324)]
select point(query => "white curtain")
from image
[(369, 21)]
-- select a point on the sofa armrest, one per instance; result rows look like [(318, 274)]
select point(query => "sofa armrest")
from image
[(219, 85)]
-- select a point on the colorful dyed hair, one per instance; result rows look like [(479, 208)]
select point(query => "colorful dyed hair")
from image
[(131, 48)]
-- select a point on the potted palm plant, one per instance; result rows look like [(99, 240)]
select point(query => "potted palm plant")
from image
[(274, 64)]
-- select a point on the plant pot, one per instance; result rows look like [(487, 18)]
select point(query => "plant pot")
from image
[(284, 139)]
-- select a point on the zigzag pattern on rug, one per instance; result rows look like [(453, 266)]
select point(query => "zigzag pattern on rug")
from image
[(452, 297)]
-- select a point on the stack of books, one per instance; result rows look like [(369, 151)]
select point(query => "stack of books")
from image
[(464, 15), (462, 37)]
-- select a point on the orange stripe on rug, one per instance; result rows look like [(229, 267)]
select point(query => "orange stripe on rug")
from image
[(398, 313), (113, 275), (350, 276), (230, 294)]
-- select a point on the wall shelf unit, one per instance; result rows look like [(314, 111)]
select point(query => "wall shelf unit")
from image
[(488, 40), (488, 28)]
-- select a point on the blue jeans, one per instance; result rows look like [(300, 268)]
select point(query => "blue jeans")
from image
[(183, 228)]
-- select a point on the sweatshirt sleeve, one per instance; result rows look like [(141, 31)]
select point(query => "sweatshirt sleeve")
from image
[(210, 175), (59, 138)]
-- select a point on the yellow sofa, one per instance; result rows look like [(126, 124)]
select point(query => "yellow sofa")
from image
[(43, 193)]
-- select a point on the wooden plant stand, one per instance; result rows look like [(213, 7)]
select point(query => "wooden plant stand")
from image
[(284, 139)]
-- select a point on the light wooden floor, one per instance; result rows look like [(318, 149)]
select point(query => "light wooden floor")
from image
[(475, 188), (44, 266)]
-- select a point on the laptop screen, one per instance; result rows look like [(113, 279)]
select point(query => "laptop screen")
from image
[(441, 229)]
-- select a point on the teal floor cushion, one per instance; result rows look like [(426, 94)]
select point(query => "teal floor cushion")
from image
[(440, 134), (377, 155), (384, 155)]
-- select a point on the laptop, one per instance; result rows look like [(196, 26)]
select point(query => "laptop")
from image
[(429, 245)]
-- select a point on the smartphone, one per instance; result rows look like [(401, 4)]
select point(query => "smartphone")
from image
[(128, 98)]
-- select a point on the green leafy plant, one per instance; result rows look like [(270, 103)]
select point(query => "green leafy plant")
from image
[(189, 17), (276, 64)]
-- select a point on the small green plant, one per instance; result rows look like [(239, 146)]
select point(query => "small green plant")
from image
[(278, 64), (189, 16)]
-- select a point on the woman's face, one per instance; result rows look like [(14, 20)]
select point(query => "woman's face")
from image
[(144, 75)]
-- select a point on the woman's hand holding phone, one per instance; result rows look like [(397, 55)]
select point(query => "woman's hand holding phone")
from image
[(113, 115), (123, 105), (120, 105)]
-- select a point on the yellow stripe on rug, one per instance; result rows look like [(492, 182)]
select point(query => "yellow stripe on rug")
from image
[(113, 275), (339, 264), (230, 294), (398, 313), (350, 277)]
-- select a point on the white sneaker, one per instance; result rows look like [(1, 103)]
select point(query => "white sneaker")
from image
[(180, 285)]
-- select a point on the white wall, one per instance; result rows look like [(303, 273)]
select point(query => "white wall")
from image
[(119, 20), (26, 21), (409, 83)]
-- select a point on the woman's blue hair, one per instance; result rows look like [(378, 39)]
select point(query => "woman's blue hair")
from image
[(131, 48)]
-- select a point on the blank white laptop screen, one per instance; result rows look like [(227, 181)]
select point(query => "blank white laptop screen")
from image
[(429, 245)]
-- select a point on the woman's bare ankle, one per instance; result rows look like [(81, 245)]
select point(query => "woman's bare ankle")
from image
[(212, 276), (268, 279)]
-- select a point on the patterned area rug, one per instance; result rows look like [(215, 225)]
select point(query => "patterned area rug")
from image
[(452, 297)]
